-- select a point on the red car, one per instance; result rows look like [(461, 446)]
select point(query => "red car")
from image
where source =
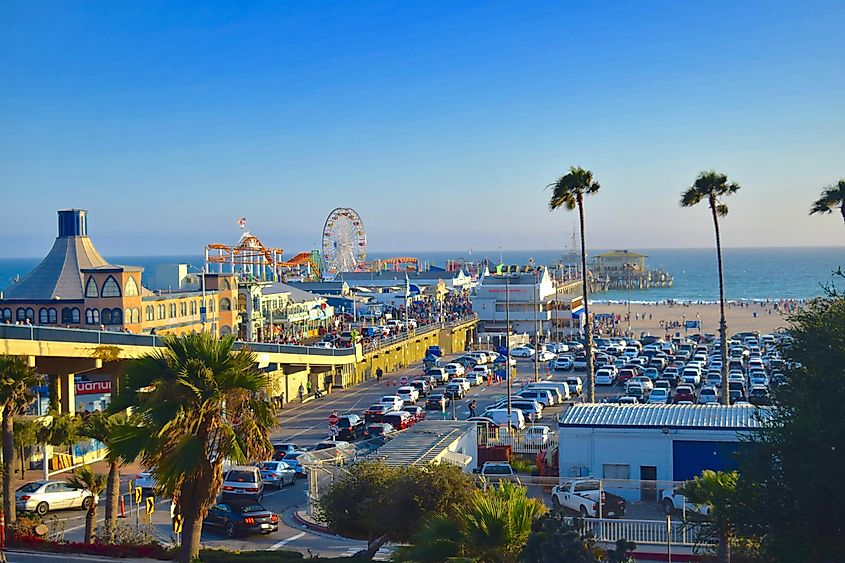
[(400, 420), (417, 412), (684, 394), (625, 374)]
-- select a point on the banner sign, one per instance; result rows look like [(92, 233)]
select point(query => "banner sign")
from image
[(93, 387)]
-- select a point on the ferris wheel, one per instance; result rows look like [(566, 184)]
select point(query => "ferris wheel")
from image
[(344, 241)]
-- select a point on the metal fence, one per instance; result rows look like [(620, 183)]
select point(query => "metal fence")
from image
[(647, 532), (529, 440), (376, 344)]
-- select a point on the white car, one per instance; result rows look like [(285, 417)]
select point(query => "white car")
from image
[(323, 345), (476, 377), (536, 436), (146, 481), (463, 382), (43, 496), (562, 363), (482, 371), (708, 395), (395, 402), (409, 394), (480, 356), (658, 396), (522, 352), (605, 376), (542, 396), (546, 356), (455, 369), (692, 377)]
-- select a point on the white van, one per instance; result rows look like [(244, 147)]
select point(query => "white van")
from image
[(559, 386), (500, 417)]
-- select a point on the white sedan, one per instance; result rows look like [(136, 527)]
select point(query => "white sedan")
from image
[(547, 356), (522, 352), (395, 402), (409, 394), (454, 369), (43, 496)]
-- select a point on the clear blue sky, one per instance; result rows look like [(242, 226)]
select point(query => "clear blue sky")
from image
[(440, 122)]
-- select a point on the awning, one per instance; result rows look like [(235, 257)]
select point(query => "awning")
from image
[(455, 458)]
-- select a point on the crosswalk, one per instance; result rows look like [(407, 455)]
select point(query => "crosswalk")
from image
[(383, 554)]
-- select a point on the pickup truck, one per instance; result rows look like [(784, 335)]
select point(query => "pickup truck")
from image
[(673, 501), (582, 495)]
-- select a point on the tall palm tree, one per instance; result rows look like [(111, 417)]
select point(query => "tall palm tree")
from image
[(104, 427), (85, 478), (569, 191), (832, 197), (17, 379), (712, 187), (715, 489), (198, 403)]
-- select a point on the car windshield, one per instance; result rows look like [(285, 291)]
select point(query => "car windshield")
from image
[(241, 476), (293, 455), (30, 488), (249, 508), (497, 470), (269, 466)]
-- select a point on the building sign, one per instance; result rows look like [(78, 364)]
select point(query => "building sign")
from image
[(93, 387)]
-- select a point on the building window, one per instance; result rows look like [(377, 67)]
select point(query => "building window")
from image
[(183, 309), (224, 285), (150, 312), (193, 308), (106, 316), (211, 305), (131, 287), (6, 313), (110, 288), (20, 314), (92, 316), (173, 310), (127, 316), (91, 288), (74, 316), (66, 316), (616, 471), (42, 316), (30, 314), (136, 315), (52, 316), (225, 330), (225, 304), (162, 311), (116, 316)]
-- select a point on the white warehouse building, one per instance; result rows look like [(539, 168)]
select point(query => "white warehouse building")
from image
[(652, 442)]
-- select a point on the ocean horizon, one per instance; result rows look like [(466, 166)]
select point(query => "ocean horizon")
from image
[(751, 274)]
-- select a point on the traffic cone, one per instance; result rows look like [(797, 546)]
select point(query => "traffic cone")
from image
[(122, 508)]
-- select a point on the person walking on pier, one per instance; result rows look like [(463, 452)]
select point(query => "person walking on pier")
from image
[(379, 373), (472, 408), (301, 393)]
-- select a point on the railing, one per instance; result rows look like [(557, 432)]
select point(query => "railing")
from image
[(385, 342), (644, 532), (521, 441), (104, 337)]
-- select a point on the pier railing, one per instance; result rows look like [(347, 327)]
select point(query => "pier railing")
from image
[(387, 341)]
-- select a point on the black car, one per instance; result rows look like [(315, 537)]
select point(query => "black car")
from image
[(236, 517), (436, 402), (759, 396), (351, 427), (375, 413)]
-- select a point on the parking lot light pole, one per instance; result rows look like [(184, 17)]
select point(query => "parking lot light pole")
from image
[(508, 340)]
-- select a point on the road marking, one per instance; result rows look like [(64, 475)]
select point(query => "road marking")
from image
[(282, 543)]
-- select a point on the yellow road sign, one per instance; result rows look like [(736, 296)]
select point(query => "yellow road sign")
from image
[(177, 524), (138, 493), (151, 505)]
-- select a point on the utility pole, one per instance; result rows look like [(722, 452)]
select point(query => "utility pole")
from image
[(536, 332), (508, 340)]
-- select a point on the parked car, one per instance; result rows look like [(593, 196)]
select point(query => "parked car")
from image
[(537, 436), (350, 427), (399, 420), (292, 459), (500, 417), (375, 413), (605, 376), (379, 430), (708, 395), (43, 496), (417, 412), (658, 396), (478, 375), (277, 473), (576, 386), (546, 356), (280, 450), (522, 352), (235, 517), (436, 402), (497, 471), (684, 393), (395, 402), (409, 394), (455, 369), (673, 501), (454, 391), (562, 363), (759, 395), (542, 396), (243, 481), (146, 481), (463, 382), (439, 374), (422, 386)]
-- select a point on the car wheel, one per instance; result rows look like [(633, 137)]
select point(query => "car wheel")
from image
[(230, 529), (583, 511), (42, 508), (668, 506), (555, 503), (281, 483), (87, 502)]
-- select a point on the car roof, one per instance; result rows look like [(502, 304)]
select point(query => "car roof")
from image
[(241, 502)]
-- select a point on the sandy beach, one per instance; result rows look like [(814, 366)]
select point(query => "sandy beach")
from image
[(651, 318)]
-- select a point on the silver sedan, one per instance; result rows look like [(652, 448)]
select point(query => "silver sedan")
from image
[(277, 473)]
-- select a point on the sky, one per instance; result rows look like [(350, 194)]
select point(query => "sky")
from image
[(441, 123)]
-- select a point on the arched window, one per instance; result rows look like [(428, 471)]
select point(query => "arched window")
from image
[(127, 316), (211, 305), (110, 288), (30, 314), (92, 316), (51, 316), (241, 302), (136, 315), (20, 314), (183, 309), (6, 314), (150, 312), (225, 304), (116, 316), (225, 330), (193, 308), (91, 288), (74, 316), (106, 316), (131, 287), (42, 316), (224, 285), (66, 320), (162, 312), (173, 310)]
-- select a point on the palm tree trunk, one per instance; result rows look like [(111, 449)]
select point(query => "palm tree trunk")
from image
[(588, 332), (723, 325), (723, 551), (91, 523), (842, 210), (112, 498), (22, 457), (8, 437), (191, 532)]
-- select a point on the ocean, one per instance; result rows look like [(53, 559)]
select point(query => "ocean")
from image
[(750, 273)]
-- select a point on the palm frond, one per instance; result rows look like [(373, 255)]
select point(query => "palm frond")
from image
[(569, 187)]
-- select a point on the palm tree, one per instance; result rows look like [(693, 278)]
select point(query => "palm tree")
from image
[(715, 489), (493, 529), (832, 197), (85, 478), (103, 427), (569, 191), (17, 379), (712, 187), (198, 403)]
